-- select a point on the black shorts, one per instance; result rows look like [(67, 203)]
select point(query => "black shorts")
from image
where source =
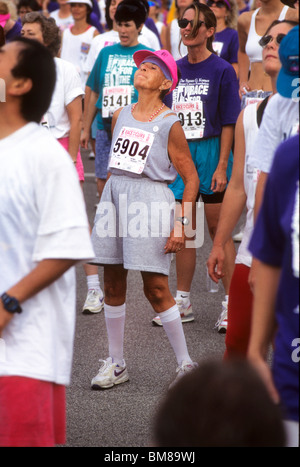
[(215, 198)]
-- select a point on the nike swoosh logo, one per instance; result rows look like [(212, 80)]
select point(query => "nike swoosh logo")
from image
[(118, 373), (184, 296)]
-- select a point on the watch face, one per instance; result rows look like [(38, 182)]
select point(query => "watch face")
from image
[(11, 304), (183, 220)]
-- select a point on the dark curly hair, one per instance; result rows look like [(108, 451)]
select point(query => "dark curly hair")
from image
[(50, 31)]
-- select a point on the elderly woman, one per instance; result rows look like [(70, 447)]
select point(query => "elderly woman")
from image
[(148, 149)]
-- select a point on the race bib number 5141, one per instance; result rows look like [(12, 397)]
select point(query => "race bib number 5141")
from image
[(114, 98), (131, 150)]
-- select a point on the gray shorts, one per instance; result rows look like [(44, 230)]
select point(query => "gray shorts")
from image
[(132, 224)]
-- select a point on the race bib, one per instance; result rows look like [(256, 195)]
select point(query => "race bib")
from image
[(131, 150), (85, 48), (218, 46), (113, 98), (190, 115)]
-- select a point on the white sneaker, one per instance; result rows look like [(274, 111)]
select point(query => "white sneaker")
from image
[(92, 155), (222, 322), (110, 374), (185, 310), (182, 370), (238, 237), (94, 302)]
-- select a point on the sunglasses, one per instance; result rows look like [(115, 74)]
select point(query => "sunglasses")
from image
[(182, 23), (218, 4), (265, 40)]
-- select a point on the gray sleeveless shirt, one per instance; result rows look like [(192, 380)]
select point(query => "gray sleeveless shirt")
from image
[(140, 149)]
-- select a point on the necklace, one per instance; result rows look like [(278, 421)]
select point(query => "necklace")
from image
[(154, 113)]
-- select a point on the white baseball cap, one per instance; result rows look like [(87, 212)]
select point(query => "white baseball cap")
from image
[(87, 2)]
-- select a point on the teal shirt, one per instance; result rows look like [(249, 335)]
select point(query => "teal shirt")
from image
[(113, 68)]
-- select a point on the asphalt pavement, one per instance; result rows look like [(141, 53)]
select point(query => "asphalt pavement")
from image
[(123, 416)]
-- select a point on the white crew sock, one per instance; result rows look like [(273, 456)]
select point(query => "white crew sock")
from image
[(183, 296), (93, 283), (172, 325), (115, 325)]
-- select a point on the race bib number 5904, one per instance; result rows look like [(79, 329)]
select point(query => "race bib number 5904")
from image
[(131, 150)]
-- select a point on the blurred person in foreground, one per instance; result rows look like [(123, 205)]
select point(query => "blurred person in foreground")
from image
[(43, 233), (275, 244), (218, 404)]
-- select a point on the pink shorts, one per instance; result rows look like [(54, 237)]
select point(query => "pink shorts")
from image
[(79, 165), (32, 412)]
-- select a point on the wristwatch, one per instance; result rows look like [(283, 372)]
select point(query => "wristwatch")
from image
[(183, 220), (10, 304)]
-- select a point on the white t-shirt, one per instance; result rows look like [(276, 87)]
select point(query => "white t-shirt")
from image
[(159, 25), (250, 181), (42, 216), (62, 23), (98, 43), (102, 5), (75, 49), (67, 88), (280, 122), (175, 37), (147, 38)]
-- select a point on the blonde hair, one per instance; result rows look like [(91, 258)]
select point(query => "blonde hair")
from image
[(232, 16)]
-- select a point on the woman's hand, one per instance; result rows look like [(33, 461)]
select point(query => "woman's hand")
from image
[(84, 139), (219, 180), (244, 88), (264, 371), (215, 263), (176, 240)]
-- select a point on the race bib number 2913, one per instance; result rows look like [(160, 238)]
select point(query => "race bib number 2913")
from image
[(191, 118), (131, 150)]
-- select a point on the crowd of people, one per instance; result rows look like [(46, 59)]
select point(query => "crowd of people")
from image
[(178, 102)]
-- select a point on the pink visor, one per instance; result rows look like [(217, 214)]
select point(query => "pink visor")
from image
[(160, 56), (4, 19)]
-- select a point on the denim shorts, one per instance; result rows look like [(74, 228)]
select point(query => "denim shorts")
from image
[(94, 128), (103, 144), (205, 154)]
